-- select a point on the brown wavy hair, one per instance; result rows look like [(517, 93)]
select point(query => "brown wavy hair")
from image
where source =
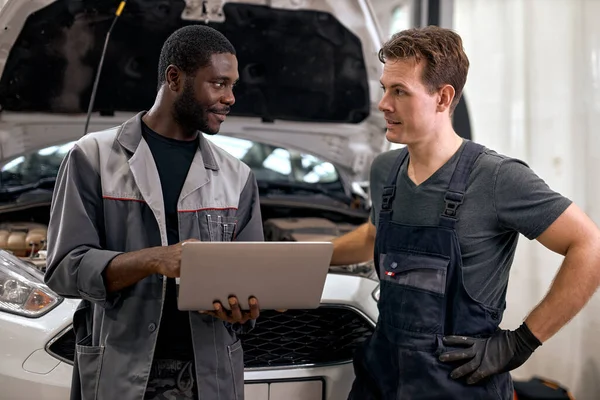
[(443, 53)]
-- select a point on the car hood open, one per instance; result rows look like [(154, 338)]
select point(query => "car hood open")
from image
[(308, 71)]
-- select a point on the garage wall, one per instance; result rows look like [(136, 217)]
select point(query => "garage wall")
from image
[(534, 93)]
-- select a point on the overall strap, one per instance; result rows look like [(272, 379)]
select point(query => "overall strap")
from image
[(458, 183), (389, 190)]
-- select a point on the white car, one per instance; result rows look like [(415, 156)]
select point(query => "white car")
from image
[(305, 120)]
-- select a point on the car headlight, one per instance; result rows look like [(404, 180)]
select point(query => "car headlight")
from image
[(365, 269), (22, 290), (376, 293)]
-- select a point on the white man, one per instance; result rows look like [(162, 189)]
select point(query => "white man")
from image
[(446, 217)]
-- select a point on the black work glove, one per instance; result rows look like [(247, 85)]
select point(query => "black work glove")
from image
[(502, 352)]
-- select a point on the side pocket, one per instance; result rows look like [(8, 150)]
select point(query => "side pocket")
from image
[(236, 360), (501, 386), (89, 362), (221, 228)]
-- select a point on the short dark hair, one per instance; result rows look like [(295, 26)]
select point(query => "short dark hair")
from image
[(190, 48), (442, 50)]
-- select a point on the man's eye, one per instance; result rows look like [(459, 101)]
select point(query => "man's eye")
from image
[(219, 84)]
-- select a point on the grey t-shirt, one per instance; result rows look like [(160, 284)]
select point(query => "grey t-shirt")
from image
[(504, 197)]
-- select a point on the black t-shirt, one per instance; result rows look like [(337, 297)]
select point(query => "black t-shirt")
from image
[(173, 159)]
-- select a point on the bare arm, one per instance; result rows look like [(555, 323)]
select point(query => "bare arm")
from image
[(575, 236), (129, 268), (354, 247)]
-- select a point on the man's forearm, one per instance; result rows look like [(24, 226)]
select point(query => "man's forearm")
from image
[(129, 268), (354, 247), (576, 281)]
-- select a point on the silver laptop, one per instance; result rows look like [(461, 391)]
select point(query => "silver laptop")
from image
[(281, 275)]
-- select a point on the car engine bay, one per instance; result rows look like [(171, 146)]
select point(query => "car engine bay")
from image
[(24, 232)]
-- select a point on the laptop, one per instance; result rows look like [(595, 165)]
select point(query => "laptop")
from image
[(281, 275)]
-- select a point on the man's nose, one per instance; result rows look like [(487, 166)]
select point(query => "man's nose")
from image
[(385, 105), (228, 98)]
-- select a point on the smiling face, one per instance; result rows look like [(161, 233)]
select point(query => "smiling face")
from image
[(206, 97), (412, 111)]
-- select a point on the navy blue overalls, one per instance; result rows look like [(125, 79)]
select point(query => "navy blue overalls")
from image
[(422, 299)]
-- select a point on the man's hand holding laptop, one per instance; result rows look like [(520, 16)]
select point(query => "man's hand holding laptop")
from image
[(169, 265), (235, 315)]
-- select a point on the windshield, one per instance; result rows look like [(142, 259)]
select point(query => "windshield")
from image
[(269, 163), (274, 163), (33, 167)]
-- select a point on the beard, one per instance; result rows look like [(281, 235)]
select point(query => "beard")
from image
[(190, 114)]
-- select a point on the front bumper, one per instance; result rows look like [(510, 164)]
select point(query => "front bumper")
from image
[(311, 382), (326, 383), (28, 371)]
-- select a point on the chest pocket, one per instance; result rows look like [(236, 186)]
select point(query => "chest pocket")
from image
[(413, 288), (415, 271), (221, 228)]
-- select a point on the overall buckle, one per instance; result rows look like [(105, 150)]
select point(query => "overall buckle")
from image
[(388, 195), (453, 200)]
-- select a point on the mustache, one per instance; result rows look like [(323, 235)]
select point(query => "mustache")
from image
[(224, 110)]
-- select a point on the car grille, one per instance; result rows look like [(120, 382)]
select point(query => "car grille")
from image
[(322, 336)]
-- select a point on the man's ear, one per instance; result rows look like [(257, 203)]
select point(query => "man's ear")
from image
[(174, 78), (445, 97)]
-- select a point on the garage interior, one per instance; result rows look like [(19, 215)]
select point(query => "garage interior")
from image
[(533, 92)]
